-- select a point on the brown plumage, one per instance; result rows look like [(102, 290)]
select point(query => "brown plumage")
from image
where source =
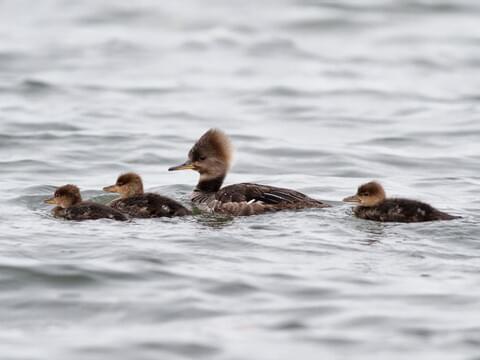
[(136, 203), (71, 207), (374, 205), (211, 157)]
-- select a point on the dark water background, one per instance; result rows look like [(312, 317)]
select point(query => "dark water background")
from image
[(318, 96)]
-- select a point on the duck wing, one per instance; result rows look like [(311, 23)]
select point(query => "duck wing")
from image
[(92, 211), (270, 195), (402, 210), (250, 199), (150, 205)]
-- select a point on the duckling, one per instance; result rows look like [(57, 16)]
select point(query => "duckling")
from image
[(71, 207), (373, 205), (58, 212), (211, 157), (136, 203)]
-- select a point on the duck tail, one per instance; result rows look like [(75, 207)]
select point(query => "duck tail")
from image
[(445, 216)]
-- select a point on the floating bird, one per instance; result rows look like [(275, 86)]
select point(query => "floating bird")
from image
[(373, 205), (211, 157), (71, 207), (136, 203)]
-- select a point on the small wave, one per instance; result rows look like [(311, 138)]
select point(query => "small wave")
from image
[(237, 288), (37, 87), (282, 47), (21, 128), (134, 89), (148, 159), (337, 24), (288, 91), (187, 349), (114, 14), (404, 7), (59, 276), (26, 164)]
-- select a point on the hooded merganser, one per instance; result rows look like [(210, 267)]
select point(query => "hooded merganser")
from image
[(71, 207), (211, 156), (373, 205), (136, 203)]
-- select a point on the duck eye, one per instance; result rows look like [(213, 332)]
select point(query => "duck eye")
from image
[(202, 157)]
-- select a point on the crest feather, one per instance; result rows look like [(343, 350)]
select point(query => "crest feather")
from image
[(218, 143)]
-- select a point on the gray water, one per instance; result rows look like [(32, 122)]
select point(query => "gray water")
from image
[(318, 96)]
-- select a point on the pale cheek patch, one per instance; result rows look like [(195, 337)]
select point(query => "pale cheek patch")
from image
[(122, 189), (371, 200)]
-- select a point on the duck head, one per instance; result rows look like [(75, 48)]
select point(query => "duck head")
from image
[(65, 196), (211, 156), (369, 194), (127, 185)]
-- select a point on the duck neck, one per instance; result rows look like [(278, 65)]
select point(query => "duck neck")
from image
[(74, 201), (210, 185), (133, 190)]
